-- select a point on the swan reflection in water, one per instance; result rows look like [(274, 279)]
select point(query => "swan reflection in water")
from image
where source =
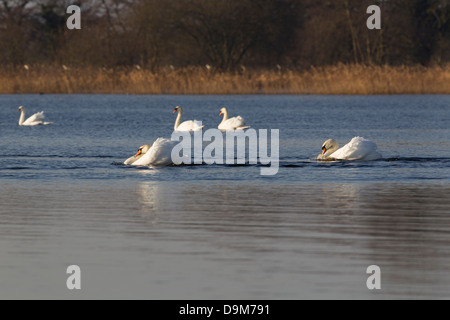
[(149, 199)]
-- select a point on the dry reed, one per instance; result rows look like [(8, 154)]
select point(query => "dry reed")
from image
[(339, 79)]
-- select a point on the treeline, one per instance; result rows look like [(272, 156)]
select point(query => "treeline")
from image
[(224, 35)]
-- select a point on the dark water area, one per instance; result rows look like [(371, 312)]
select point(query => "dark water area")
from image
[(224, 231)]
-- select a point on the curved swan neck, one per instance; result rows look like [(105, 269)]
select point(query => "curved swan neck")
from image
[(225, 115), (329, 147), (332, 150), (178, 120), (22, 117)]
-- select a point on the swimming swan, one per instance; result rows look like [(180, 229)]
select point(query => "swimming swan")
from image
[(159, 154), (357, 149), (36, 119), (235, 123), (189, 125), (141, 151)]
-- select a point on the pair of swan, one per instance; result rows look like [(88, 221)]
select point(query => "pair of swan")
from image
[(357, 149), (37, 119), (160, 153), (235, 123)]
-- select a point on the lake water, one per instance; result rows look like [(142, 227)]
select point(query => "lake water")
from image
[(223, 231)]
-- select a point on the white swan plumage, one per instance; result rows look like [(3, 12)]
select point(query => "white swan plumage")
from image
[(235, 123), (159, 154), (37, 119), (357, 149), (189, 125), (141, 151)]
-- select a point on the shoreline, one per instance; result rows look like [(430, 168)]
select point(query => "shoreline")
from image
[(220, 94), (332, 80)]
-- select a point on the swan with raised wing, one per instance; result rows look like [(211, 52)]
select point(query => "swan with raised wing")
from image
[(357, 149), (37, 119)]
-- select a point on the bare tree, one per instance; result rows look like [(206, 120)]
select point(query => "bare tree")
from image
[(224, 33), (224, 29), (14, 21)]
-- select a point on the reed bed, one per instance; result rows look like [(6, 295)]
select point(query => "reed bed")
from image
[(339, 79)]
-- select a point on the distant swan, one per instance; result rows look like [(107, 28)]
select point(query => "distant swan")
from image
[(357, 149), (36, 119), (235, 123), (159, 154), (189, 125)]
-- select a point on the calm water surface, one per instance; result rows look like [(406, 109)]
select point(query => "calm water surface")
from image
[(224, 232)]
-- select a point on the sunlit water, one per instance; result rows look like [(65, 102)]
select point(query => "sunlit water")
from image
[(218, 231)]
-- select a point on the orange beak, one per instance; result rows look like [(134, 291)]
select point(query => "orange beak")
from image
[(221, 113), (139, 153), (324, 150), (175, 111)]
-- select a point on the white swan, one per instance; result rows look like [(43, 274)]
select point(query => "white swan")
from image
[(357, 149), (159, 154), (36, 119), (189, 125), (141, 151), (235, 123)]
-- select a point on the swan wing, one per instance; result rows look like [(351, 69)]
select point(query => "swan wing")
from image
[(190, 125), (35, 119), (357, 149), (160, 154)]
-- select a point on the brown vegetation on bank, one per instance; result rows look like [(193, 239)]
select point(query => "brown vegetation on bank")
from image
[(340, 79)]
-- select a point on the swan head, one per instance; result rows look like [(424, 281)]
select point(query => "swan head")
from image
[(143, 150), (223, 111), (329, 147), (177, 108), (20, 109)]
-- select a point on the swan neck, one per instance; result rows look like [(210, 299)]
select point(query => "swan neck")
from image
[(178, 120), (225, 116), (336, 148), (331, 151), (22, 117)]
